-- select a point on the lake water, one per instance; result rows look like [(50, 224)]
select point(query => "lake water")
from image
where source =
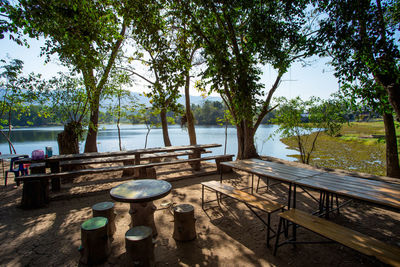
[(133, 136)]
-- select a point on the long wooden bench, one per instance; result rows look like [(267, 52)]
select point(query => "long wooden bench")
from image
[(37, 185), (39, 167), (116, 159), (251, 201), (340, 234)]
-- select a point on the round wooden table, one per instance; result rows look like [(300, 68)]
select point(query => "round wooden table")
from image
[(140, 194)]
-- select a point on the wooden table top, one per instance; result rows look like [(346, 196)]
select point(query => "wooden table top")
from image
[(144, 190), (56, 158), (377, 192), (385, 194), (271, 169), (11, 156)]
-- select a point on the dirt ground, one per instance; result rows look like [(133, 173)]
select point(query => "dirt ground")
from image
[(229, 235)]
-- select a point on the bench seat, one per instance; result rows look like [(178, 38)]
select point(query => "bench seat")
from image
[(251, 201), (340, 234)]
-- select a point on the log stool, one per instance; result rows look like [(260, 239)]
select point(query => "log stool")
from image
[(106, 209), (35, 194), (184, 223), (139, 246), (95, 246)]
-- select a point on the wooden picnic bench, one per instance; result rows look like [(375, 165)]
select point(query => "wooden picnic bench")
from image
[(340, 234), (134, 157), (251, 201), (36, 186)]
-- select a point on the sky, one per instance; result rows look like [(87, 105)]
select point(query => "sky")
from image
[(314, 80)]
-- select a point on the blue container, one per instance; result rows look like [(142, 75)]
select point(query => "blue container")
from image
[(49, 151)]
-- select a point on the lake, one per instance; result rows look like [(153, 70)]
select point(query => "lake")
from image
[(26, 140)]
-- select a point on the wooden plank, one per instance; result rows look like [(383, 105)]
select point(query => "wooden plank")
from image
[(257, 163), (357, 180), (381, 196), (122, 153), (264, 170), (111, 169), (350, 238), (357, 184), (255, 201), (131, 152), (125, 158)]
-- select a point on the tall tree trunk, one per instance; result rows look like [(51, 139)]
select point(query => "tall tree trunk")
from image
[(91, 138), (189, 114), (392, 156), (68, 140), (118, 127), (164, 125), (9, 130), (246, 146)]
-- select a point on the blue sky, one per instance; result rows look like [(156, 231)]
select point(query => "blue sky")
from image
[(315, 80)]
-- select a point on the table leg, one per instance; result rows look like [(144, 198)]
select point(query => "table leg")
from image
[(143, 214), (294, 206), (252, 183)]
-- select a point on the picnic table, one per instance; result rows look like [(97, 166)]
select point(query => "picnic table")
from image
[(376, 192), (140, 194), (138, 163), (133, 157)]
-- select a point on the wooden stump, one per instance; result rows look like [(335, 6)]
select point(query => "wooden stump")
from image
[(195, 164), (139, 246), (55, 182), (184, 223), (143, 214), (128, 173), (151, 173), (38, 168), (35, 194), (106, 209), (95, 246)]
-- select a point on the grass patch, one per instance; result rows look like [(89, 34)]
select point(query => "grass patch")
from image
[(355, 150)]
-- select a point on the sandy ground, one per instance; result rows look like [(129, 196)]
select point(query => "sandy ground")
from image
[(229, 235)]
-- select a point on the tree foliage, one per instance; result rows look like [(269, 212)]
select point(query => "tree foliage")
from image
[(362, 38), (86, 36), (237, 37), (18, 93), (299, 119)]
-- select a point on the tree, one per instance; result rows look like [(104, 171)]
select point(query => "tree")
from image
[(365, 54), (86, 35), (18, 93), (146, 115), (361, 36), (126, 102), (369, 94), (237, 37), (69, 105), (154, 37), (300, 119)]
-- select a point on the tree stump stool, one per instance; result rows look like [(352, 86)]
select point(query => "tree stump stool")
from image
[(106, 209), (35, 194), (184, 223), (95, 246), (139, 246)]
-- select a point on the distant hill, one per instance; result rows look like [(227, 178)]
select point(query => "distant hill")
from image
[(198, 100)]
